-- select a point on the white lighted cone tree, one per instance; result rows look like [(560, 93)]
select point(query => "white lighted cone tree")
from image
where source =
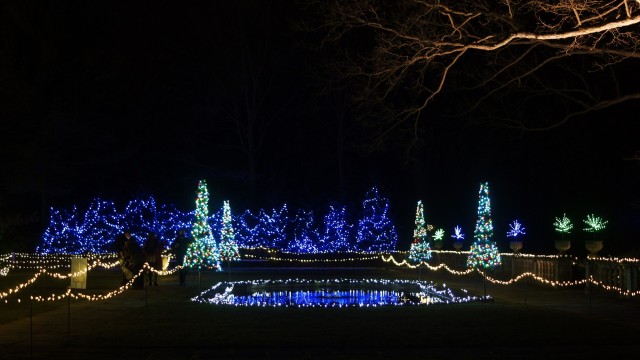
[(484, 252), (202, 253), (228, 246), (420, 249)]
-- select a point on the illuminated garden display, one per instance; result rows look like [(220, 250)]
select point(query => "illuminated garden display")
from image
[(516, 230), (74, 231), (305, 234), (331, 293), (563, 225), (420, 249), (337, 231), (594, 224), (94, 230), (202, 253), (484, 252), (376, 233), (228, 246)]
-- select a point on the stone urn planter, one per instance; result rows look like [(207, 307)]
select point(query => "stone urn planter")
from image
[(515, 245), (457, 245), (563, 246), (593, 246), (438, 244)]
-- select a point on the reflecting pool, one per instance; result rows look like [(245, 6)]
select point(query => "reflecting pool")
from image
[(331, 293)]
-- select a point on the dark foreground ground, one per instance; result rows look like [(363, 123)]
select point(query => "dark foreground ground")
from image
[(525, 321)]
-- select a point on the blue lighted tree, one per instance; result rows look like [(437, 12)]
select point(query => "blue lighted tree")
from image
[(246, 225), (61, 236), (94, 230), (100, 222), (376, 233), (271, 230), (484, 252), (305, 234), (336, 236)]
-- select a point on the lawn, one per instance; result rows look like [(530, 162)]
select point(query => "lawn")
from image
[(162, 323)]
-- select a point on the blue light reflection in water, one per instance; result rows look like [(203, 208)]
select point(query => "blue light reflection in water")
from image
[(331, 293), (321, 298)]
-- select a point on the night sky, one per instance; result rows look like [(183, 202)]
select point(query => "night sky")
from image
[(118, 100)]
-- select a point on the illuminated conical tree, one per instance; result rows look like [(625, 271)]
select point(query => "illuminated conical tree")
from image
[(484, 252), (202, 253), (228, 246), (420, 249)]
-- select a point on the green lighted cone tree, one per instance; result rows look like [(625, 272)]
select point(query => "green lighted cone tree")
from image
[(202, 253), (484, 252), (420, 249), (228, 246)]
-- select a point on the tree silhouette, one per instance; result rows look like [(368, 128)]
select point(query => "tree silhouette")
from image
[(404, 55)]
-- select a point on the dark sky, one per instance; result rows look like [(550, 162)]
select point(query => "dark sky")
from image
[(116, 100)]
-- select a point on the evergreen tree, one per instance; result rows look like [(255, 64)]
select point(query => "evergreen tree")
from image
[(484, 252), (246, 226), (420, 249), (271, 229), (305, 234), (100, 223), (202, 253), (61, 234), (376, 233), (228, 246), (337, 232)]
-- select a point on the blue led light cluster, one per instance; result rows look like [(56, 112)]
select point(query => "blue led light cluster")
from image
[(94, 230)]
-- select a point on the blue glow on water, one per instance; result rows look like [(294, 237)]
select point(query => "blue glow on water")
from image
[(331, 293), (321, 298)]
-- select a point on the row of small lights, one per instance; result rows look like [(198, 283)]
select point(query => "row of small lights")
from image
[(273, 258), (44, 271), (590, 279), (36, 261), (69, 294), (389, 259)]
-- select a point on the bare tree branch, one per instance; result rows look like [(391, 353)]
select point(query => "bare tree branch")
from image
[(405, 54)]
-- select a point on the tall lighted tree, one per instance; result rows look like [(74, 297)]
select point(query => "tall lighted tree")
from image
[(228, 246), (202, 253), (484, 252), (420, 249)]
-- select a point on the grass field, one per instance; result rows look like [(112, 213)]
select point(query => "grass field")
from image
[(162, 323)]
